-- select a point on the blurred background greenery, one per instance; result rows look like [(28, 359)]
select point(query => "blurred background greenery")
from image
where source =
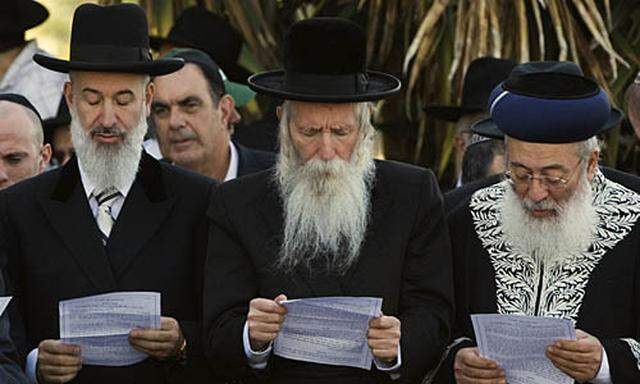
[(429, 44)]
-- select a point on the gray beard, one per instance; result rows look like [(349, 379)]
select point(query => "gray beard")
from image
[(551, 239), (108, 165), (326, 211)]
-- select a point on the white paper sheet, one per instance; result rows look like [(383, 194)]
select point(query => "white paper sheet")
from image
[(101, 324), (518, 344), (328, 330), (4, 301)]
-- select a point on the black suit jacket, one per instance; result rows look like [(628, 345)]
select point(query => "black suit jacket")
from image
[(405, 260), (252, 160), (157, 244), (10, 372)]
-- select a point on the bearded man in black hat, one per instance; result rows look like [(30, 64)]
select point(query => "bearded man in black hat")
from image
[(329, 221), (112, 219), (18, 72), (556, 238)]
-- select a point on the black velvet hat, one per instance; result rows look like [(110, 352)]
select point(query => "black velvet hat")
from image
[(481, 77), (325, 61), (96, 45), (548, 102), (199, 28)]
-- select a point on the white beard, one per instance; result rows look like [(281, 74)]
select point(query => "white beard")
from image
[(326, 208), (109, 165), (551, 239)]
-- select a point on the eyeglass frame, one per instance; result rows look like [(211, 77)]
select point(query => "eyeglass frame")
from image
[(544, 179)]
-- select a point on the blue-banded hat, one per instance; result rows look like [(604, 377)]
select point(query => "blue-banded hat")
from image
[(548, 102)]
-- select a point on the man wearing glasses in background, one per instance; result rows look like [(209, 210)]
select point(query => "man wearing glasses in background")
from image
[(555, 238)]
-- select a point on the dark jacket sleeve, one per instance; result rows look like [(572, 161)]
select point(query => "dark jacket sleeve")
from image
[(624, 353), (10, 371), (462, 333), (427, 291), (229, 285)]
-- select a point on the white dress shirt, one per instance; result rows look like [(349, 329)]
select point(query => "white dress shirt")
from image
[(234, 162)]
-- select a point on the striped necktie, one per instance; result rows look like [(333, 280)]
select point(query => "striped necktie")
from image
[(105, 220)]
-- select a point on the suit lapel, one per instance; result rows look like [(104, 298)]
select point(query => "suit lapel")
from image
[(380, 202), (68, 211), (146, 207)]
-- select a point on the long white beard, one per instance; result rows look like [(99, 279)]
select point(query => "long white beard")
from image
[(326, 209), (109, 165), (556, 238)]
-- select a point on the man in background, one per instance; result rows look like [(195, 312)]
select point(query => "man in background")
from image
[(192, 111), (23, 153)]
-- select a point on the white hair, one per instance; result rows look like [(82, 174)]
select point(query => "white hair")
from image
[(556, 238), (108, 165), (326, 203)]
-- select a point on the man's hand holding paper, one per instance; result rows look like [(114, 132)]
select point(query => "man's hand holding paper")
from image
[(471, 368), (163, 343), (383, 338), (264, 321), (580, 358), (58, 362)]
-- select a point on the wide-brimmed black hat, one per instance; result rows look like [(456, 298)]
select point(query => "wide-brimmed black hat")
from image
[(548, 102), (199, 28), (482, 76), (110, 39), (325, 61), (17, 16)]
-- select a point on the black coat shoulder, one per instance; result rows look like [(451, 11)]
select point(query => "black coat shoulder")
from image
[(253, 160)]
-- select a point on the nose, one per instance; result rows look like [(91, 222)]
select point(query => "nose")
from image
[(327, 149), (108, 116), (537, 191), (176, 120)]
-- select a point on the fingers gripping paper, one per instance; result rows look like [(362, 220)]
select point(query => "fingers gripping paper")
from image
[(328, 330), (101, 324), (518, 344)]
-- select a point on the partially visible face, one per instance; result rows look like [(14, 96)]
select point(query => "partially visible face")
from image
[(108, 105), (62, 144), (21, 157), (555, 160), (191, 129), (323, 131)]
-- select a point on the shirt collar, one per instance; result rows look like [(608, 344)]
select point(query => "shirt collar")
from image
[(89, 187), (232, 171)]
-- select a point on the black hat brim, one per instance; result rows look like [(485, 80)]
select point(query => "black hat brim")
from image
[(448, 112), (380, 85), (34, 15), (152, 68), (49, 125), (488, 127)]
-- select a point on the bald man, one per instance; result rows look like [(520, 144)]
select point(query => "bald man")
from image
[(23, 153)]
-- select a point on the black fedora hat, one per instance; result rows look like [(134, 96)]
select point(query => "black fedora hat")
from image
[(325, 61), (97, 46), (17, 16), (548, 102), (481, 77), (199, 28)]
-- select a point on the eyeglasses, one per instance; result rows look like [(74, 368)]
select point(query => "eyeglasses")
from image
[(522, 179)]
